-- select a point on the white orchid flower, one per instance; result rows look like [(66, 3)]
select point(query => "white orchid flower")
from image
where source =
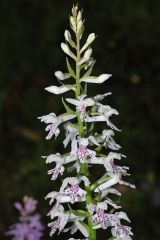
[(60, 222), (85, 57), (80, 151), (108, 162), (103, 219), (60, 198), (81, 104), (92, 79), (78, 226), (121, 232), (74, 190), (106, 138), (59, 161), (100, 219), (59, 168), (61, 76), (105, 112), (70, 132), (54, 122), (102, 205)]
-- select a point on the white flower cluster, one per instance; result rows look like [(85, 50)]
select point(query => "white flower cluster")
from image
[(88, 149)]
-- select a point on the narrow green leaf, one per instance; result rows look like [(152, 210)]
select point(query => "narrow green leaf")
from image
[(78, 212), (103, 179), (86, 226), (70, 69), (68, 109), (91, 128), (70, 86)]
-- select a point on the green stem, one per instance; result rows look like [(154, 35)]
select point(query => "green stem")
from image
[(88, 201), (84, 166), (78, 86)]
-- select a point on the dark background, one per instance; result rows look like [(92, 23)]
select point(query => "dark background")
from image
[(128, 46)]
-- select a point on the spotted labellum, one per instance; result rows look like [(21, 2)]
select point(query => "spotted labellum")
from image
[(84, 203)]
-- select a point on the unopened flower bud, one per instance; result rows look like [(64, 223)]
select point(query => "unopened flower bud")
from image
[(67, 35), (74, 10), (90, 38), (67, 50), (73, 23), (79, 16), (86, 56), (79, 27), (61, 76), (68, 38)]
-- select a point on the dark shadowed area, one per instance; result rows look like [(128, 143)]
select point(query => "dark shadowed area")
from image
[(128, 46)]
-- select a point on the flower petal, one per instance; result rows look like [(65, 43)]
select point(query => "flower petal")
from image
[(57, 90), (75, 102), (102, 78)]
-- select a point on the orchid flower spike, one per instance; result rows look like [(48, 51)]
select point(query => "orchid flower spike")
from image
[(88, 148)]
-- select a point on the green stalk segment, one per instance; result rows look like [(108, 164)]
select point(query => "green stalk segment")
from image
[(84, 166)]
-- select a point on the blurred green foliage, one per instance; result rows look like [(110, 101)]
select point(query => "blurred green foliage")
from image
[(128, 47)]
